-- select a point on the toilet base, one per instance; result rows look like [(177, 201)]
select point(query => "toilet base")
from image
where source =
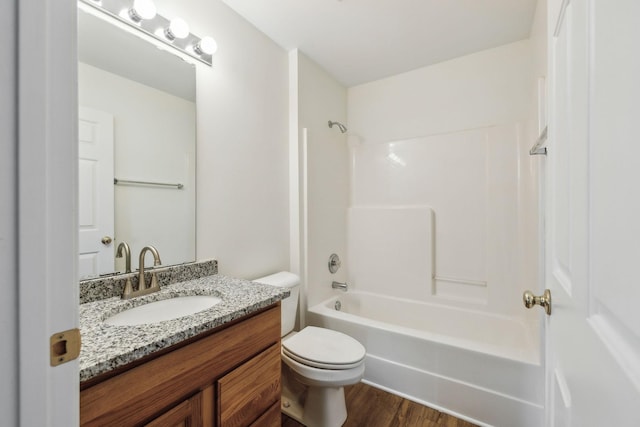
[(293, 398), (325, 407), (313, 406)]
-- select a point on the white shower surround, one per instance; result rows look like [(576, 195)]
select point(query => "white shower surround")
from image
[(481, 367), (451, 139), (436, 239), (438, 218), (482, 99)]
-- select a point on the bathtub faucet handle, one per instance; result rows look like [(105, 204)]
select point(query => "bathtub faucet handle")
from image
[(339, 285), (334, 263)]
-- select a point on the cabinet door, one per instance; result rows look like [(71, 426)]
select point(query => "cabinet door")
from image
[(186, 414), (250, 390)]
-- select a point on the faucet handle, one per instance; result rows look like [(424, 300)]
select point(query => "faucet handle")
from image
[(334, 263), (154, 282), (128, 289)]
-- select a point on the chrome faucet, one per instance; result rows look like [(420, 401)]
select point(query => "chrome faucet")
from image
[(143, 289), (128, 287), (339, 285)]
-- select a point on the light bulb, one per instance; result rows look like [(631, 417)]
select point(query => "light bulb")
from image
[(207, 45), (142, 9), (178, 29)]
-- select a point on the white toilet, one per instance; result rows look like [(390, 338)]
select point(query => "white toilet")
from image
[(318, 363)]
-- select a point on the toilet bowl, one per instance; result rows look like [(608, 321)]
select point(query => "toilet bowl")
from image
[(324, 357), (317, 364)]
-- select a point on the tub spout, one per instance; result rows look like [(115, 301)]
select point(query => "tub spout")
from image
[(339, 285)]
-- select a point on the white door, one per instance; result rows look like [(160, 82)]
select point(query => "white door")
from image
[(95, 193), (593, 214)]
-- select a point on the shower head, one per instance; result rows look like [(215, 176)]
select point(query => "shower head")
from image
[(342, 127)]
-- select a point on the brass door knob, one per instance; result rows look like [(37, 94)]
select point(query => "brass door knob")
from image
[(106, 240), (544, 300)]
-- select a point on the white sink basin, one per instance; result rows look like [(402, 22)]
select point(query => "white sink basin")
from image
[(159, 311)]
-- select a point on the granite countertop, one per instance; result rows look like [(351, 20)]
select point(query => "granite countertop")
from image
[(106, 347)]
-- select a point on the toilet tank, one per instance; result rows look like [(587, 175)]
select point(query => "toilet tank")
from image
[(289, 306)]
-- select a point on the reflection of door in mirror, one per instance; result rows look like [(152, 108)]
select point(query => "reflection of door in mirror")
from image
[(95, 192), (150, 94)]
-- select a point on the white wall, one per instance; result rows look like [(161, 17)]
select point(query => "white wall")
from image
[(242, 148), (324, 175), (483, 89), (449, 137), (154, 140), (538, 39)]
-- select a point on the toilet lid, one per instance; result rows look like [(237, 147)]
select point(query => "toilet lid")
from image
[(324, 348)]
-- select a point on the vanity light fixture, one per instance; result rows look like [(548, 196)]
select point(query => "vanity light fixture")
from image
[(142, 9), (142, 15), (206, 46), (177, 29)]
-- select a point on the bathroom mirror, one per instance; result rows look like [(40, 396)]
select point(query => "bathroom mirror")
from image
[(136, 148)]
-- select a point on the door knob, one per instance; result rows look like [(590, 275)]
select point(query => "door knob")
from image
[(106, 240), (544, 300)]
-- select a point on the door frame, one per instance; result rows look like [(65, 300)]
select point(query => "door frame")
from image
[(47, 207), (8, 214)]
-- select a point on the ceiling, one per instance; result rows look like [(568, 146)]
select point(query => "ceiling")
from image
[(358, 41)]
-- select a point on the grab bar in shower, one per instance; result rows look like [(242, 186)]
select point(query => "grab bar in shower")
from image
[(458, 280), (537, 148), (157, 184)]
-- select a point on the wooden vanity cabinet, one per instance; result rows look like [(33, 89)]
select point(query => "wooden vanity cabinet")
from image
[(226, 378)]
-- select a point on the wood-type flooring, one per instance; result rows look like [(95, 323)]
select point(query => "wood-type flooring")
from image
[(370, 407)]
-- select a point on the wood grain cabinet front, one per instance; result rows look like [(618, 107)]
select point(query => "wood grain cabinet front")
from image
[(250, 390), (228, 377)]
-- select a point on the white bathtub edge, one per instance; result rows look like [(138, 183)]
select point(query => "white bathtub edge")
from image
[(447, 393), (529, 357)]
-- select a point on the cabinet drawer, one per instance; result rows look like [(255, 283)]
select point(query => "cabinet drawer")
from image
[(271, 418), (250, 390), (186, 414)]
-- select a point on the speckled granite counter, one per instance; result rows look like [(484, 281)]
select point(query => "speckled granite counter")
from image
[(106, 347)]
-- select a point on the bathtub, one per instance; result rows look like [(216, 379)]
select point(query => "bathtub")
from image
[(477, 366)]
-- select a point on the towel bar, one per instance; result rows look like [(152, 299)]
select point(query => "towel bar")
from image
[(537, 148)]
